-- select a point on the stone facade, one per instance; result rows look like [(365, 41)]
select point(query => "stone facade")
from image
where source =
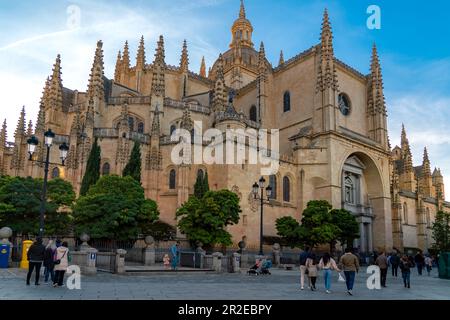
[(333, 135)]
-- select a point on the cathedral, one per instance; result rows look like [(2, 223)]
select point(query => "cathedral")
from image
[(332, 122)]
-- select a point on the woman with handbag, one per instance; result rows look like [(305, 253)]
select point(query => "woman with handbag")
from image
[(61, 264)]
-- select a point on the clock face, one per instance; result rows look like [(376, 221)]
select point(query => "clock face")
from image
[(344, 104)]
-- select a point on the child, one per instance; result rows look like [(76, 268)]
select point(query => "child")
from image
[(311, 266), (166, 261)]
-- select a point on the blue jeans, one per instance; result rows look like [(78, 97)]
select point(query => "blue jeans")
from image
[(349, 279), (406, 275), (327, 278), (174, 262), (49, 272)]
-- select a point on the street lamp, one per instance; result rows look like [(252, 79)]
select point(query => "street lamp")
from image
[(255, 187), (63, 149)]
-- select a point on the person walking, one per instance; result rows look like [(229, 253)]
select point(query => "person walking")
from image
[(35, 257), (419, 259), (350, 264), (61, 264), (395, 261), (383, 264), (327, 264), (175, 253), (49, 257), (303, 257), (428, 264), (311, 266), (405, 267)]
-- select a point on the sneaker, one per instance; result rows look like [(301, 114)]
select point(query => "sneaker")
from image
[(302, 288), (55, 285), (328, 291), (350, 292), (28, 283), (409, 287), (37, 284)]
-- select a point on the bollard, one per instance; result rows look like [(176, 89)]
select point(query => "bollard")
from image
[(91, 257), (120, 261), (25, 246), (217, 261), (149, 251), (236, 262)]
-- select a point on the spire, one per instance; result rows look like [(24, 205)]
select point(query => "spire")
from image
[(96, 86), (76, 125), (219, 97), (55, 86), (118, 67), (203, 67), (242, 10), (159, 65), (184, 62), (261, 59), (3, 135), (156, 126), (126, 58), (426, 170), (30, 128), (327, 76), (406, 151), (377, 102), (40, 123), (45, 92), (281, 61), (20, 129), (140, 58)]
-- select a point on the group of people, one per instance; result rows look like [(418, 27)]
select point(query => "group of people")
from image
[(173, 260), (55, 258), (349, 264)]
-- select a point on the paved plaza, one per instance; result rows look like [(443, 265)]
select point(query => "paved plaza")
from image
[(281, 285)]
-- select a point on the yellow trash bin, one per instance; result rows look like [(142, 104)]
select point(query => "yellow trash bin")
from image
[(25, 246)]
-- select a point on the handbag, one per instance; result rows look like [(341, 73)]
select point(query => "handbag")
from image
[(58, 261), (341, 278)]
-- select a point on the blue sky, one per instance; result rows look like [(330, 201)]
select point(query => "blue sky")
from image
[(413, 45)]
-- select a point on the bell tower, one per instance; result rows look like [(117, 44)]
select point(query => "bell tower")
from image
[(241, 31)]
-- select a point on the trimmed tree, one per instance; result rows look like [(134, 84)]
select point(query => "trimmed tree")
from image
[(441, 231), (201, 185), (348, 226), (92, 173), (133, 167), (114, 208), (205, 183), (206, 219)]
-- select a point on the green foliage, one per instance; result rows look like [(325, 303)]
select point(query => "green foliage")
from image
[(320, 225), (201, 185), (441, 231), (92, 173), (161, 231), (133, 167), (205, 183), (205, 219), (20, 200), (115, 208)]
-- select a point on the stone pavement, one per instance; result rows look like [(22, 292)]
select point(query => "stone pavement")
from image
[(281, 285)]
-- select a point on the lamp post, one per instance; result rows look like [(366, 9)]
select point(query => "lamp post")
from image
[(255, 187), (63, 149)]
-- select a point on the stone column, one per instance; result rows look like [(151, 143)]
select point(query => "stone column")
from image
[(236, 262), (243, 251), (120, 261), (370, 236), (84, 246), (5, 234), (276, 254), (362, 238), (217, 261), (91, 257), (149, 251)]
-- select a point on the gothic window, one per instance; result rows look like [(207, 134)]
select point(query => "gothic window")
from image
[(172, 129), (141, 127), (286, 189), (349, 189), (106, 168), (131, 123), (344, 104), (286, 101), (273, 185), (172, 179), (405, 213), (253, 113), (55, 173)]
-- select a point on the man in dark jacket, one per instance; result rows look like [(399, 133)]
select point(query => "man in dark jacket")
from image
[(395, 262), (419, 259), (35, 257)]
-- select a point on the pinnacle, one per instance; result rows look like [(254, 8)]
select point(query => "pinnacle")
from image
[(242, 10), (203, 67), (281, 61)]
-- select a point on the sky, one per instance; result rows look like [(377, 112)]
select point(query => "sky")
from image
[(412, 41)]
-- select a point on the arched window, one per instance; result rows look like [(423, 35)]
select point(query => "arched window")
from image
[(344, 104), (55, 173), (141, 127), (349, 186), (200, 173), (273, 185), (405, 213), (131, 123), (286, 102), (172, 129), (192, 135), (172, 179), (286, 189), (253, 115), (106, 168)]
